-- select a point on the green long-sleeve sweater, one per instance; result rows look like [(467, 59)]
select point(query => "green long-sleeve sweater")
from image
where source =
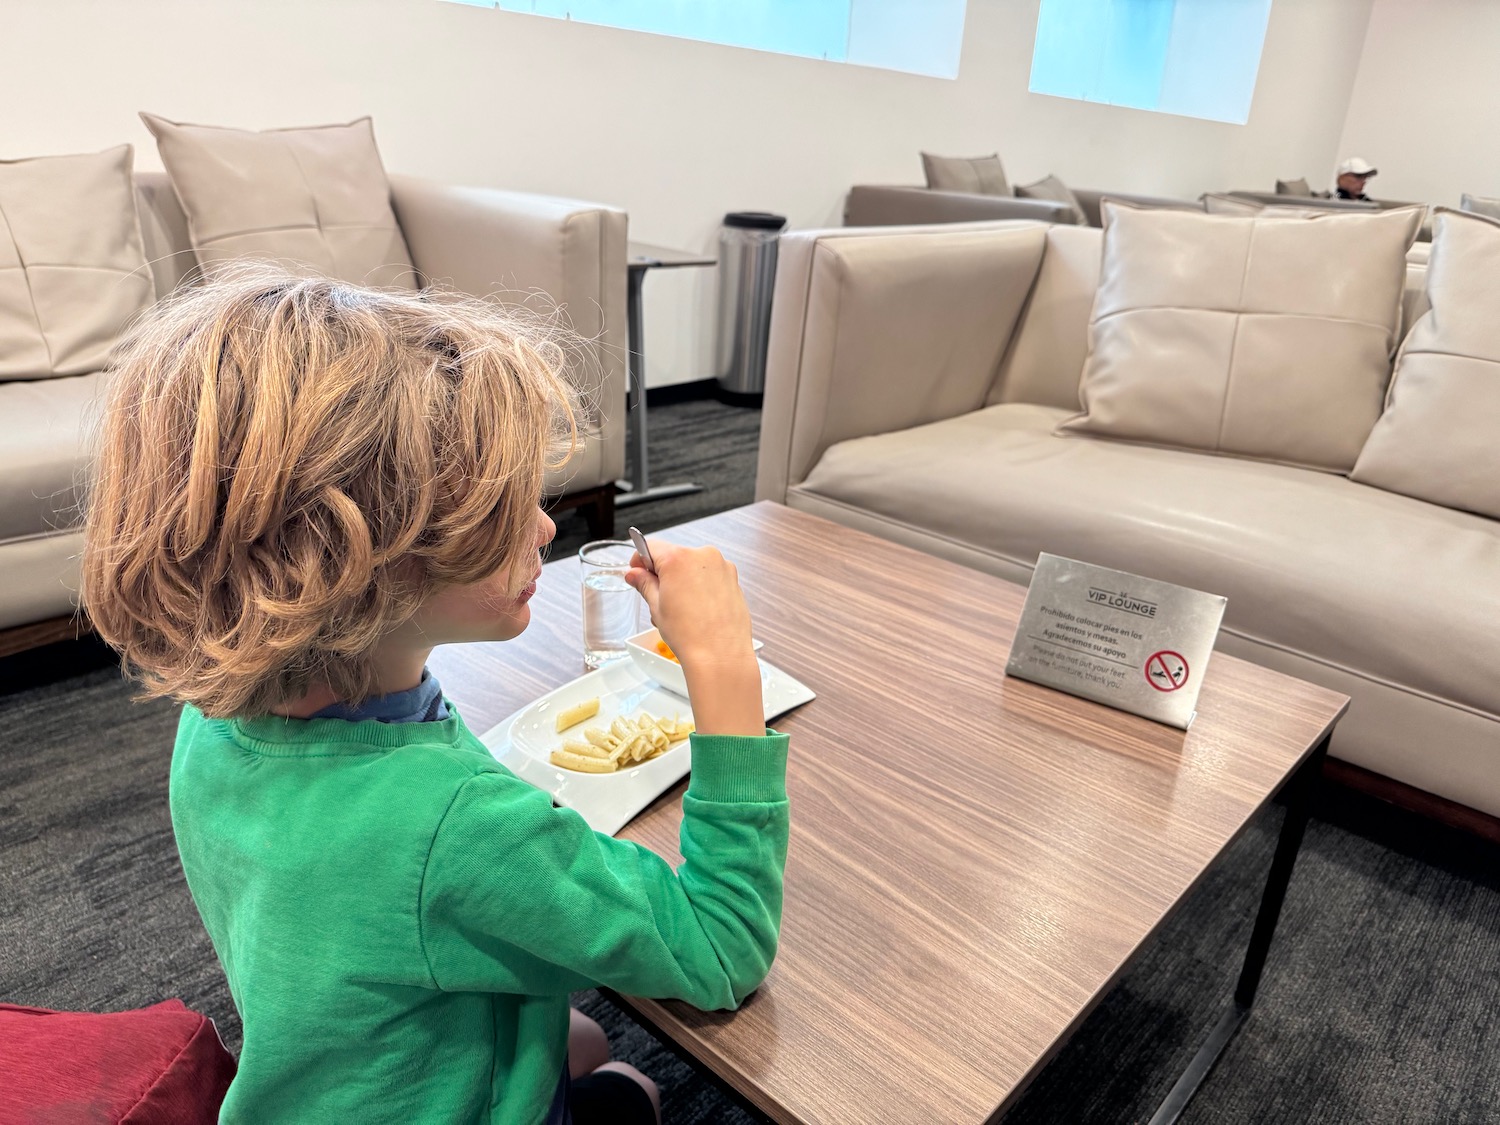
[(401, 919)]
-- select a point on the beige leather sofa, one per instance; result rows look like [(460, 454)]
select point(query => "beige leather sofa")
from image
[(475, 240), (877, 205), (915, 380)]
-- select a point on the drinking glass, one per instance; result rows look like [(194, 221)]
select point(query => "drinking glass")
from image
[(611, 609)]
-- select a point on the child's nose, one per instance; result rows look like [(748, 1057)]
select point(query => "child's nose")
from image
[(546, 529)]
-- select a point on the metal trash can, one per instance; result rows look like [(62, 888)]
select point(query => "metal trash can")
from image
[(747, 274)]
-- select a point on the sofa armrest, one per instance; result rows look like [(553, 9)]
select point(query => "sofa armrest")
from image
[(873, 205), (875, 330), (483, 241)]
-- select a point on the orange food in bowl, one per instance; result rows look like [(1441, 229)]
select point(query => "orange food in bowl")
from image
[(665, 650)]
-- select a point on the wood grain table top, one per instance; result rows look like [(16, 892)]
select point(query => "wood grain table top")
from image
[(973, 860)]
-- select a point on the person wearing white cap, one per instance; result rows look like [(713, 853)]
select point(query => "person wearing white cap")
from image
[(1354, 173)]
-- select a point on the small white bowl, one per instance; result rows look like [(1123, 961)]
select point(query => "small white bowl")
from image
[(668, 673)]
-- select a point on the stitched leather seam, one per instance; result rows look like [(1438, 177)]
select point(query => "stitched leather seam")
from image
[(36, 315), (1100, 319), (1234, 340)]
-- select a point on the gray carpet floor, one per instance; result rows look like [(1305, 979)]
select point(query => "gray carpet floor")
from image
[(1379, 1003)]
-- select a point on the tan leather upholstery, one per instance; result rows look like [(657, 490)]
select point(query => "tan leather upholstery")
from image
[(984, 175), (1368, 592), (1334, 203), (473, 239), (1257, 336), (1090, 200), (313, 199), (43, 433), (869, 205), (1217, 204), (1437, 439), (67, 287), (41, 578), (850, 302), (482, 241), (1051, 187), (1480, 205), (1045, 360)]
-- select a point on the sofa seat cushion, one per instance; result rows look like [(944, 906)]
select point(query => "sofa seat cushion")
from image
[(1378, 584), (43, 430)]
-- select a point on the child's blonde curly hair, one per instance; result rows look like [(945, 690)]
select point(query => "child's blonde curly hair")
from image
[(288, 467)]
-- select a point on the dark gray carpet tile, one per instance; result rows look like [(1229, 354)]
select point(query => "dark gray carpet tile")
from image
[(94, 911)]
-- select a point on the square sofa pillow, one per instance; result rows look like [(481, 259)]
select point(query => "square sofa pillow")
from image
[(73, 268), (1294, 187), (976, 175), (315, 199), (1439, 438), (1054, 189), (1254, 336)]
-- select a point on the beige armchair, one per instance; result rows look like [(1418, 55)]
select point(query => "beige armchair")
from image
[(475, 240)]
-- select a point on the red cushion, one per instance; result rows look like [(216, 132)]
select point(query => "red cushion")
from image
[(162, 1065)]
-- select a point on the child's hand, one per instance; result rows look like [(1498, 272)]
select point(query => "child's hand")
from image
[(695, 601)]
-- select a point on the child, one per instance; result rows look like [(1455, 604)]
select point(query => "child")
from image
[(302, 487)]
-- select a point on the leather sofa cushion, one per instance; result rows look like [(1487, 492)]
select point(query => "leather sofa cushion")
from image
[(979, 175), (315, 199), (1255, 336), (72, 267), (42, 453), (1382, 585), (1439, 438)]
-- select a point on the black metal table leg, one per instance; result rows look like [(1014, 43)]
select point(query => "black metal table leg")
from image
[(1287, 845)]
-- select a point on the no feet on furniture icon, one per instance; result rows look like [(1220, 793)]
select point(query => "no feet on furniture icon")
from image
[(1166, 670)]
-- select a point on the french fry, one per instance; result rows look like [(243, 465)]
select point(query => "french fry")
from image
[(581, 764)]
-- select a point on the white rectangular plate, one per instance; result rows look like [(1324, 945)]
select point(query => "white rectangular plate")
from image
[(523, 743)]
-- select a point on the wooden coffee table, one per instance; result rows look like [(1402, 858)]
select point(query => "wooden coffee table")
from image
[(974, 861)]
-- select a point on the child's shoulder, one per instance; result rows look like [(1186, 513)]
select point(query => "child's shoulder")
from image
[(437, 751)]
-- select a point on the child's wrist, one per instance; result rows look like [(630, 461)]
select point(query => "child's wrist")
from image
[(726, 696)]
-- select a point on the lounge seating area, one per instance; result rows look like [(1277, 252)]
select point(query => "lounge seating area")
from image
[(663, 563)]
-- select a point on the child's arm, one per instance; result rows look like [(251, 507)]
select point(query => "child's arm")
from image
[(518, 897), (524, 898)]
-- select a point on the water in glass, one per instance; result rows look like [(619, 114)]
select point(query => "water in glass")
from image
[(609, 617)]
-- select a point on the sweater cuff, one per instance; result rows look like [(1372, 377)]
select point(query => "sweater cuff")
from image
[(739, 768)]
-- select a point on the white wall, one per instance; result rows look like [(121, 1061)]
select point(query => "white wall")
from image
[(1426, 103), (675, 132)]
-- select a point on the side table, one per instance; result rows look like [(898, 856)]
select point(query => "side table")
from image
[(643, 258)]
